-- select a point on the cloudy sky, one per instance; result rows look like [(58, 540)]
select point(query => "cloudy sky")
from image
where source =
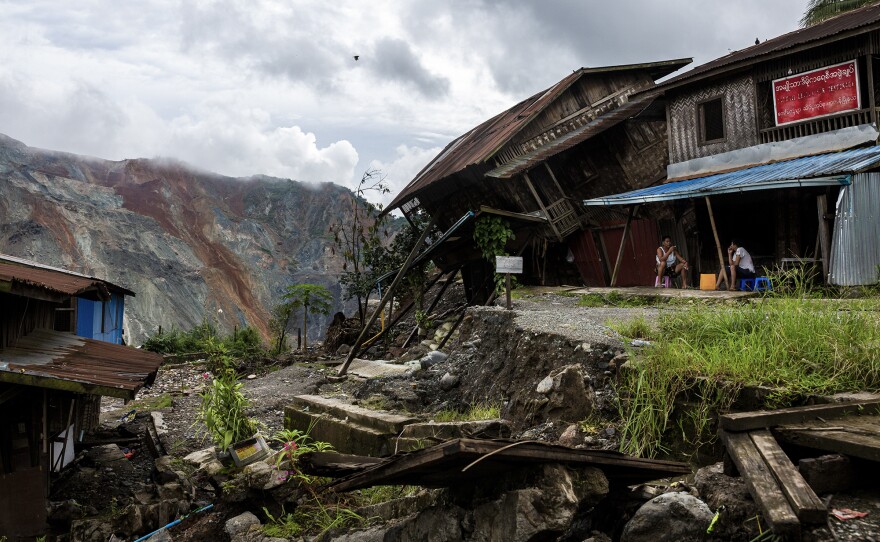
[(244, 87)]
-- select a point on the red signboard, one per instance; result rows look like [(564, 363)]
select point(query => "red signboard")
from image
[(819, 93)]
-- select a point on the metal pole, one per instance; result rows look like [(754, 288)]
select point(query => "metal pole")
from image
[(400, 274)]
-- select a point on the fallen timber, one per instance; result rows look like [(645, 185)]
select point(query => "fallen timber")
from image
[(752, 441), (458, 460)]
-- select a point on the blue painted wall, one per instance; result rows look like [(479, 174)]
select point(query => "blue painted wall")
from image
[(100, 320)]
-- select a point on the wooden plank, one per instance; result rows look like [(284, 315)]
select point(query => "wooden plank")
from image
[(718, 244), (745, 421), (853, 436), (803, 500), (824, 234), (761, 483)]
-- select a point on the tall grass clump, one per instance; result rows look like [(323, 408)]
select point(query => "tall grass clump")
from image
[(799, 346), (244, 343)]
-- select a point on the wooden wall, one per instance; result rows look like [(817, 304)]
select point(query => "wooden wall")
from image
[(21, 315), (739, 119)]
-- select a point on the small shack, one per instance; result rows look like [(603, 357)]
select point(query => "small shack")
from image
[(52, 376)]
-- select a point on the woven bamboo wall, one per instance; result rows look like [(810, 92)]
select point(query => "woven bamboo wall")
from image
[(739, 120)]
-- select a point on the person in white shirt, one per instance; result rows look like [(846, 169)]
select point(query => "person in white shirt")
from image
[(740, 265)]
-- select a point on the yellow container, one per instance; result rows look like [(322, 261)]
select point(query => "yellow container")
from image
[(707, 282)]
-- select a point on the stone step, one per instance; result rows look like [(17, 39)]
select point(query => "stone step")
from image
[(382, 422)]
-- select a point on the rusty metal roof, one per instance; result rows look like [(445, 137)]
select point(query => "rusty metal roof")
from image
[(57, 360), (25, 272), (854, 22), (481, 143), (578, 135)]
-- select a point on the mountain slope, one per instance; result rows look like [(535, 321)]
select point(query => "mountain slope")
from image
[(192, 245)]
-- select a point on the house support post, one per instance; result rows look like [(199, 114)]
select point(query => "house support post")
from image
[(541, 205), (355, 349), (824, 234), (632, 211), (718, 244)]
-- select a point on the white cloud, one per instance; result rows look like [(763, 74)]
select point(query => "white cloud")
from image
[(271, 86), (405, 165)]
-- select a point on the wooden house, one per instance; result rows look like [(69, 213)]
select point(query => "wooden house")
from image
[(597, 131), (52, 376), (776, 144)]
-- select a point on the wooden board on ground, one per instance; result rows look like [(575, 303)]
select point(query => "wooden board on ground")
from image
[(746, 421), (857, 436), (458, 460), (761, 483), (802, 499)]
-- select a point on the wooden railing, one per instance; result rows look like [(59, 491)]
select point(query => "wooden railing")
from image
[(562, 216), (816, 126)]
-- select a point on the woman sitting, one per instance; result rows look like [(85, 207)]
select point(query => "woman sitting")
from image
[(669, 261)]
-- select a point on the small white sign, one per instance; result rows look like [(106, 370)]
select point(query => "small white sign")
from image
[(508, 264)]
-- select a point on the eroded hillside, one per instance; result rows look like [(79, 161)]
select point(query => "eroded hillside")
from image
[(191, 244)]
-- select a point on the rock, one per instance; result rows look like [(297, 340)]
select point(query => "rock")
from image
[(672, 517), (413, 366), (238, 526), (571, 437), (206, 460), (159, 424), (545, 386), (448, 381), (251, 376), (571, 398), (717, 489), (437, 357), (343, 349), (90, 530)]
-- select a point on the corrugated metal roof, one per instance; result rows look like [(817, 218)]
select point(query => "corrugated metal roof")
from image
[(480, 143), (21, 271), (857, 19), (56, 360), (569, 140), (818, 170), (855, 250)]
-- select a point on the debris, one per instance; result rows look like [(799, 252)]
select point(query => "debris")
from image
[(640, 342), (844, 514)]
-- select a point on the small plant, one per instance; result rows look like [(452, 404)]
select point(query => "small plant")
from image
[(491, 234), (223, 410), (638, 328), (476, 412), (294, 443)]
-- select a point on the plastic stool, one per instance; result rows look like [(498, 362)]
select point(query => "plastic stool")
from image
[(666, 282), (747, 285), (762, 283)]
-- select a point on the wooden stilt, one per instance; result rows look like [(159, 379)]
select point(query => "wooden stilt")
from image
[(623, 239), (718, 244), (355, 349)]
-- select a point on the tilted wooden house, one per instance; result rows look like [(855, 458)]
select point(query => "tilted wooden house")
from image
[(52, 376), (597, 131), (778, 140)]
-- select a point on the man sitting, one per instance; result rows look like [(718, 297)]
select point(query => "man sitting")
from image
[(740, 265), (670, 262)]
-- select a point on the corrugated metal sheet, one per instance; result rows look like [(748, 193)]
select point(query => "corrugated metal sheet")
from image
[(480, 143), (18, 270), (857, 19), (855, 249), (56, 360), (587, 258), (819, 170), (637, 263), (569, 140)]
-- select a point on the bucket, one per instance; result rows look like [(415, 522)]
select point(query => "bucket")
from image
[(707, 281)]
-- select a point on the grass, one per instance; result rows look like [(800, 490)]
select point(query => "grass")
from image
[(380, 494), (476, 412), (800, 346), (617, 299)]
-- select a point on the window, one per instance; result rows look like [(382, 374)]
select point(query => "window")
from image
[(711, 120)]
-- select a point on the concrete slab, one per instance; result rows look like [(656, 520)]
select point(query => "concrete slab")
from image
[(374, 419), (689, 293)]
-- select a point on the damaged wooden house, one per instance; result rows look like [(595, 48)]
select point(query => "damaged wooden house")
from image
[(59, 353), (598, 131), (776, 145)]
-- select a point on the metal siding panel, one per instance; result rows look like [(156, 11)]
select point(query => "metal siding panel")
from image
[(587, 258), (85, 317), (637, 267), (855, 248)]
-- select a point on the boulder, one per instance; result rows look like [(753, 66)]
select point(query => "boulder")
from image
[(448, 381), (238, 526), (570, 397), (671, 517), (206, 460)]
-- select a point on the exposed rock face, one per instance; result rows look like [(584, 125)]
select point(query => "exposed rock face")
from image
[(192, 245)]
